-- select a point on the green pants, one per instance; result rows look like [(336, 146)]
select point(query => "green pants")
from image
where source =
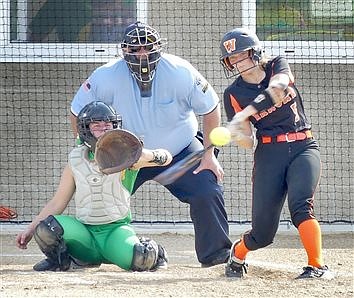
[(111, 243)]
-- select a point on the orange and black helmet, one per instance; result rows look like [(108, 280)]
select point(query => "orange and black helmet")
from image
[(236, 41)]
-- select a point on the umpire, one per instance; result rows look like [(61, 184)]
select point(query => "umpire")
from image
[(159, 96)]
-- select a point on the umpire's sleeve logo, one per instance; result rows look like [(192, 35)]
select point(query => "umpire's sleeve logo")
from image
[(202, 84), (230, 45), (86, 85)]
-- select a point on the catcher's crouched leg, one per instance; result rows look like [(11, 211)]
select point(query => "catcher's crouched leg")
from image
[(48, 235), (148, 256)]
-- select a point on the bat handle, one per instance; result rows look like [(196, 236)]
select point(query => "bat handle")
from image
[(205, 150)]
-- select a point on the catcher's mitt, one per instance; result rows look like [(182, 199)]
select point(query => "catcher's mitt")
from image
[(117, 150), (7, 213)]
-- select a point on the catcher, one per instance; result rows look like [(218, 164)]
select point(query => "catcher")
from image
[(100, 232)]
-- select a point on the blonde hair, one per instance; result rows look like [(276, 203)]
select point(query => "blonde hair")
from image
[(263, 61)]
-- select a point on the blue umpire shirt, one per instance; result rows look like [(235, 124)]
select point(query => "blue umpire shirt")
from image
[(167, 119)]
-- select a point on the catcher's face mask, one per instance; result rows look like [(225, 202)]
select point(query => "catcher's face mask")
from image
[(142, 46), (94, 112)]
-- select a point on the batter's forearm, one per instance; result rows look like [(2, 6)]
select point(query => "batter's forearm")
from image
[(274, 94)]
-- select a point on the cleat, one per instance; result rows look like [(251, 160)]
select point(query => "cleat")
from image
[(313, 272), (221, 258), (46, 265), (235, 267), (51, 265)]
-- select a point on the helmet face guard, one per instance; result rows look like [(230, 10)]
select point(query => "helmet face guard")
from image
[(142, 65), (237, 41), (92, 112)]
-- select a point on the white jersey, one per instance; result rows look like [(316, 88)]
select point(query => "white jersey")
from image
[(167, 119), (99, 198)]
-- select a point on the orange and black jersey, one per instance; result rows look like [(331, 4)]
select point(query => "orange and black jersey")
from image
[(286, 117)]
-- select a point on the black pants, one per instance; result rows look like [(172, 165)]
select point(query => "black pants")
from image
[(207, 208), (282, 170)]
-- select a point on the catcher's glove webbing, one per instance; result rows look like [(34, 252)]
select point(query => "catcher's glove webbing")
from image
[(117, 150)]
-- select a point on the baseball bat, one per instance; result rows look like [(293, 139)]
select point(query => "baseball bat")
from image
[(179, 168)]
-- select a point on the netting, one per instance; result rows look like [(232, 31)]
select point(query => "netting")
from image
[(48, 48)]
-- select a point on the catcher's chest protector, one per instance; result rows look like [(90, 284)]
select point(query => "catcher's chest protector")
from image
[(99, 198)]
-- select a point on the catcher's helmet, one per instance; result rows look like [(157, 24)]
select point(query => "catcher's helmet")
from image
[(139, 35), (237, 41), (95, 111)]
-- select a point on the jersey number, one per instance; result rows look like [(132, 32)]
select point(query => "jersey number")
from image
[(296, 113)]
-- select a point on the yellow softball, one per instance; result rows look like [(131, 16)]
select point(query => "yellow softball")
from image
[(220, 136)]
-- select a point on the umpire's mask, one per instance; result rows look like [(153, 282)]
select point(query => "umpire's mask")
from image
[(141, 48)]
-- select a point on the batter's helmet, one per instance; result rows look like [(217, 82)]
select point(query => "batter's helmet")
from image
[(237, 41), (139, 35), (95, 111)]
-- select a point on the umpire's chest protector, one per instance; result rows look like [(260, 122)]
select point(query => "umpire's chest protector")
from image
[(99, 198)]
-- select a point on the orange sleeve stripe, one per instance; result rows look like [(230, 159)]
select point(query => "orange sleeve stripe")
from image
[(235, 104)]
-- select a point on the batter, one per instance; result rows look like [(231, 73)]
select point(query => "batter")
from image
[(286, 159)]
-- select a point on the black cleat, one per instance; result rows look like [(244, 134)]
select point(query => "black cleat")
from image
[(235, 269), (71, 263), (313, 272), (46, 265)]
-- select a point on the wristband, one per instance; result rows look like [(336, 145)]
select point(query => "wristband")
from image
[(159, 157), (263, 101)]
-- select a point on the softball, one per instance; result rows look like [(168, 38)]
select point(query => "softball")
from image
[(220, 136)]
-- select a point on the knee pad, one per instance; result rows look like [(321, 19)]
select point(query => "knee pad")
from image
[(48, 235), (145, 255)]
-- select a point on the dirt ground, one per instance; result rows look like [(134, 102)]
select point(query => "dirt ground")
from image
[(271, 273)]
